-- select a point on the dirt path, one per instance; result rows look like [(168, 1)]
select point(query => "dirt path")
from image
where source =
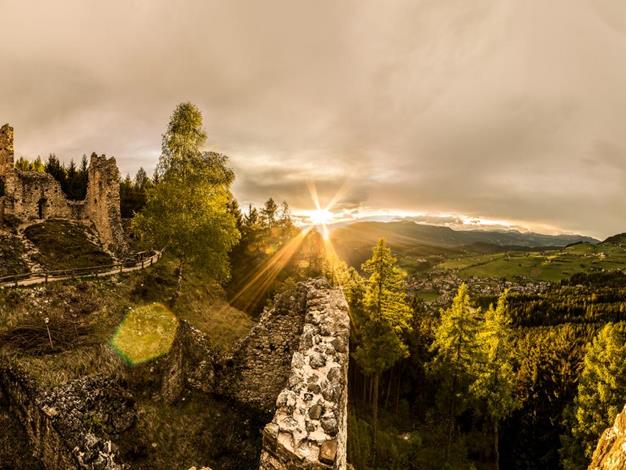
[(41, 278)]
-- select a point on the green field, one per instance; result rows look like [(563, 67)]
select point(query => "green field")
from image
[(544, 266)]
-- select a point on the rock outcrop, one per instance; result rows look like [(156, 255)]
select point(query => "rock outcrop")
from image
[(610, 454)]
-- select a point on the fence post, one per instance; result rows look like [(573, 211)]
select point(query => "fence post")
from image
[(15, 281), (141, 263), (46, 278), (121, 267)]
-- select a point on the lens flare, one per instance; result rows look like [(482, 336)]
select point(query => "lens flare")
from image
[(146, 333)]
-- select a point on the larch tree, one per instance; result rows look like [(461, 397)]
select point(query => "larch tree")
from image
[(495, 381), (187, 211), (455, 354), (602, 386), (385, 321)]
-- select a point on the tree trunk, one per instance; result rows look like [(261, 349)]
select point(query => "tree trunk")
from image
[(496, 443), (179, 280), (375, 418), (390, 380)]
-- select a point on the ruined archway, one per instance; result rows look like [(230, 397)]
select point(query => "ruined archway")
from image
[(41, 208)]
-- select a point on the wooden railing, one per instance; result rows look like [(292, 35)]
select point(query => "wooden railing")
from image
[(137, 261)]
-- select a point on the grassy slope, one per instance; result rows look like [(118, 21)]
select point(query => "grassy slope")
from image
[(104, 303), (65, 245), (548, 266)]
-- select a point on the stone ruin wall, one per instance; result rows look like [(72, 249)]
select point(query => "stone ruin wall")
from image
[(292, 368), (30, 195), (102, 205), (309, 427), (55, 421), (6, 148)]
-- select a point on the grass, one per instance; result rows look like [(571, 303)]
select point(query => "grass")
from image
[(427, 295), (104, 304), (146, 333), (11, 251), (199, 431), (65, 245), (544, 266)]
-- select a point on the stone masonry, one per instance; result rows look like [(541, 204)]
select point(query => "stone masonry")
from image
[(309, 428), (29, 195), (291, 368)]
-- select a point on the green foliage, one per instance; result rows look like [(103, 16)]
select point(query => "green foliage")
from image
[(386, 314), (133, 193), (23, 164), (495, 382), (601, 390), (455, 346), (187, 211), (269, 212)]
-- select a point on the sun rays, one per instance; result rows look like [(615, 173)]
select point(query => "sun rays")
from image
[(255, 285)]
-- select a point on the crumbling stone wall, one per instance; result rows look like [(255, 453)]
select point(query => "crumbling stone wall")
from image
[(70, 427), (103, 201), (260, 366), (6, 149), (309, 428), (191, 363), (30, 195), (293, 366)]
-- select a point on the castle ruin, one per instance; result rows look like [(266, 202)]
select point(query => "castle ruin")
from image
[(30, 195)]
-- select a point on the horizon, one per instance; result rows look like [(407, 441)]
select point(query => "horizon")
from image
[(477, 114)]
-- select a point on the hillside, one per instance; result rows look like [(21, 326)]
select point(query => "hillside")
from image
[(553, 265), (433, 243), (617, 240)]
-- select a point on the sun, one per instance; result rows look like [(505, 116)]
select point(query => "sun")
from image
[(321, 217)]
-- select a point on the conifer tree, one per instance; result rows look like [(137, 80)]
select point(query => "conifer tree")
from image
[(494, 383), (269, 212), (602, 387), (456, 354), (386, 320)]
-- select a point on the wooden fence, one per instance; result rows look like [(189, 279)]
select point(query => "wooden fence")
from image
[(135, 262)]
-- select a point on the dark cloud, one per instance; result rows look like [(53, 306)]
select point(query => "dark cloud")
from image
[(493, 109)]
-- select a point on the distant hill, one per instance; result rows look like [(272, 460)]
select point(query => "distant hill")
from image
[(411, 233), (617, 240), (354, 241)]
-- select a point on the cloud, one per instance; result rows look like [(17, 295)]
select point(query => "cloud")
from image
[(497, 109)]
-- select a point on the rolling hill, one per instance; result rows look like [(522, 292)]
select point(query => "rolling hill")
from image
[(431, 243)]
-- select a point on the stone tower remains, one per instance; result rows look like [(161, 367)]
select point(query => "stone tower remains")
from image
[(6, 149), (102, 205)]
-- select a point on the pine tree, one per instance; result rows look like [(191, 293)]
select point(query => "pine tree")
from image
[(269, 212), (386, 320), (495, 381), (602, 386), (456, 354)]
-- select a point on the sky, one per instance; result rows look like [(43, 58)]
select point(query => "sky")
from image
[(502, 111)]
